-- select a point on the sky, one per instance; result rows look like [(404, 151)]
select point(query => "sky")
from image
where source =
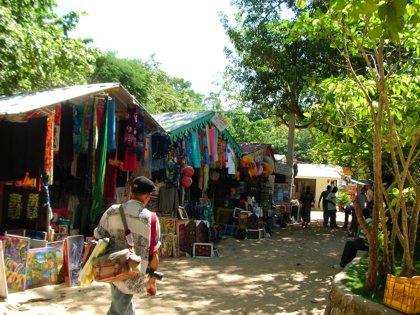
[(185, 36)]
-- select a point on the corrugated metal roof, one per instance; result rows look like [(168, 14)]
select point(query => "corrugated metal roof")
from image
[(179, 123), (317, 171), (26, 102), (248, 147)]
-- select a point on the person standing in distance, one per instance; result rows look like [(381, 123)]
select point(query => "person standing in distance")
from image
[(323, 196), (332, 209), (139, 223)]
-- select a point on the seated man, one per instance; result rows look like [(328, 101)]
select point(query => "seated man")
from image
[(351, 247)]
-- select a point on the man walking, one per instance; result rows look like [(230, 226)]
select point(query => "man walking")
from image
[(139, 223), (323, 196), (332, 207)]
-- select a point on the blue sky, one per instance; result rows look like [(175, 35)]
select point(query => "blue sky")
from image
[(186, 36)]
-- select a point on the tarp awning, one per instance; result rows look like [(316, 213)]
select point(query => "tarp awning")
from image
[(176, 124)]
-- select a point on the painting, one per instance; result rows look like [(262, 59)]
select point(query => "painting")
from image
[(74, 255), (166, 249), (180, 236), (243, 219), (59, 253), (15, 260), (255, 234), (3, 282), (203, 250), (42, 267), (182, 213), (19, 232), (14, 209), (167, 225), (32, 208), (38, 235)]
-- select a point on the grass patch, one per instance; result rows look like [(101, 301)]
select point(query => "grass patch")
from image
[(355, 276)]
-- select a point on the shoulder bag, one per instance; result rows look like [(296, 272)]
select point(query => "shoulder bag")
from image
[(120, 265)]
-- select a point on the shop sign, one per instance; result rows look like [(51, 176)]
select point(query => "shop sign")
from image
[(283, 169), (219, 122)]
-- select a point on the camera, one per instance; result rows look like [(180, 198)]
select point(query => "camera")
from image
[(154, 274)]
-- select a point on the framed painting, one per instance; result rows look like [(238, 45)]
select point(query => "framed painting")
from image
[(203, 250), (182, 213), (3, 282)]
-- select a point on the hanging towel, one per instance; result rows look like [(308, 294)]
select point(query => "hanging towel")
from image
[(77, 127), (206, 172), (112, 145)]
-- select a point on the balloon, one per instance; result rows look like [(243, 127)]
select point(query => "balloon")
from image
[(186, 181), (188, 171)]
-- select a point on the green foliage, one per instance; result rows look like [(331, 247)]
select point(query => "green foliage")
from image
[(169, 94), (35, 52), (343, 199), (131, 73)]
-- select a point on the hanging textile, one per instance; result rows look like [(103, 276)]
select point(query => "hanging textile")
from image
[(57, 122), (98, 190), (65, 153), (90, 154), (49, 148), (121, 126), (206, 171), (220, 149), (110, 182), (77, 127), (130, 139), (111, 125), (206, 147), (213, 151), (195, 148), (141, 135)]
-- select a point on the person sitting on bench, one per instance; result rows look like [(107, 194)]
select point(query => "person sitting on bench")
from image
[(351, 247)]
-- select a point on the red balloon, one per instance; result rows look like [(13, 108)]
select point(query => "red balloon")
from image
[(188, 171), (186, 181)]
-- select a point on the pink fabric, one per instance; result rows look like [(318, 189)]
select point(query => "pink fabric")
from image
[(130, 162)]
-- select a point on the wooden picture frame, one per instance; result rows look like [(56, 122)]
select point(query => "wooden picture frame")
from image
[(183, 213), (203, 250), (236, 211)]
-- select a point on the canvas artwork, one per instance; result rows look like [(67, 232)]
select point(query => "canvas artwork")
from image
[(19, 232), (252, 221), (167, 225), (75, 247), (180, 236), (14, 210), (42, 267), (190, 237), (203, 250), (15, 260), (166, 249), (38, 235), (202, 232), (59, 253), (3, 282), (38, 243), (32, 208), (243, 219)]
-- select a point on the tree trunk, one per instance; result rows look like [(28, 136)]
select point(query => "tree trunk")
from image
[(291, 152)]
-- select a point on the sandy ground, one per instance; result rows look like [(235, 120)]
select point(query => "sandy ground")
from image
[(290, 273)]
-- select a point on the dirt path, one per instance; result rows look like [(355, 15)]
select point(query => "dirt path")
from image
[(289, 273)]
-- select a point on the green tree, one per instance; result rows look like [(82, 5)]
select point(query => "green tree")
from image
[(169, 94), (35, 52), (377, 105), (276, 71), (131, 73)]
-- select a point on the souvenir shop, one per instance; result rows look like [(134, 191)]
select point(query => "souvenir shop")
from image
[(68, 154)]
